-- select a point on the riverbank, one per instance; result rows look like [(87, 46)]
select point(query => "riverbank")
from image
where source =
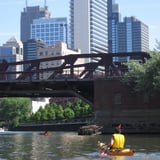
[(74, 127), (50, 127)]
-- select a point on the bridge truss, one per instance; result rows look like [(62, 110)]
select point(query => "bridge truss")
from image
[(70, 76)]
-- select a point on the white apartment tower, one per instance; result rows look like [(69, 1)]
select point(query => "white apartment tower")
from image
[(88, 25)]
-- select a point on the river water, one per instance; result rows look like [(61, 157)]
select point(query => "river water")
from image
[(70, 146)]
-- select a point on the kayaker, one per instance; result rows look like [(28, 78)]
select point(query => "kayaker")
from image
[(46, 133), (117, 139), (101, 145)]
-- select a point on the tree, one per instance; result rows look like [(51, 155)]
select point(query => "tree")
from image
[(15, 110), (50, 112), (77, 108), (59, 112), (69, 113), (44, 115), (146, 76), (86, 110)]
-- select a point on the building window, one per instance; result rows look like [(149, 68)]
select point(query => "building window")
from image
[(41, 53), (57, 53)]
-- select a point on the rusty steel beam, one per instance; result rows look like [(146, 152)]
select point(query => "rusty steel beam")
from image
[(104, 60)]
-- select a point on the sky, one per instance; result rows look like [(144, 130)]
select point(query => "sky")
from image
[(147, 11)]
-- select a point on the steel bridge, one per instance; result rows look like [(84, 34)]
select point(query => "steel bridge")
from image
[(68, 79)]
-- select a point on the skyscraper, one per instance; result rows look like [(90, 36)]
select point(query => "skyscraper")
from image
[(27, 17), (88, 25), (129, 35), (114, 18), (50, 30), (133, 35)]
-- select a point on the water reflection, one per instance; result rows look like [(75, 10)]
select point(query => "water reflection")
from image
[(117, 158), (70, 146)]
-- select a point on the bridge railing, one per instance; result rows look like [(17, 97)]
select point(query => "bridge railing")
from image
[(80, 66)]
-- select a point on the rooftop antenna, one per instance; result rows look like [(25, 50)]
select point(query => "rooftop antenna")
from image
[(45, 3), (26, 3)]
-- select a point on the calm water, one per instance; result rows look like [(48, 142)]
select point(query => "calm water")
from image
[(70, 146)]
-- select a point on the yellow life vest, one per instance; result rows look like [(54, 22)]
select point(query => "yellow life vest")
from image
[(119, 141)]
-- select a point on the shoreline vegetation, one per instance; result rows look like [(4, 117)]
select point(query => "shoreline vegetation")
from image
[(17, 112)]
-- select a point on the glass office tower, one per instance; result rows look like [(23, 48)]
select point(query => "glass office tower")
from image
[(133, 35), (88, 25), (114, 17), (50, 30)]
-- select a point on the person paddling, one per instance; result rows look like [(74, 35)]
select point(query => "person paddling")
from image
[(46, 133), (117, 140)]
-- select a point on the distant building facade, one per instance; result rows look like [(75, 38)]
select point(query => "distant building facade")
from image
[(12, 51), (133, 35), (129, 35), (27, 17), (60, 49), (39, 102), (50, 30), (89, 26), (114, 17), (31, 47)]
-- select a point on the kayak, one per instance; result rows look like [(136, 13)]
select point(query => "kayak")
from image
[(120, 152), (117, 152), (46, 134)]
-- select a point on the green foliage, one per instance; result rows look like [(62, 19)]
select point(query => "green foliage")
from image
[(77, 108), (50, 112), (145, 75), (16, 110), (59, 112), (69, 113), (16, 121), (54, 111), (37, 116)]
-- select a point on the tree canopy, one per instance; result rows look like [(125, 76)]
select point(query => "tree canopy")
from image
[(19, 110), (15, 110), (146, 76)]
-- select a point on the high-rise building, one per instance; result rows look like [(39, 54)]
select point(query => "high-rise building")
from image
[(129, 35), (50, 30), (114, 17), (31, 47), (133, 35), (27, 16), (12, 51), (89, 26)]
